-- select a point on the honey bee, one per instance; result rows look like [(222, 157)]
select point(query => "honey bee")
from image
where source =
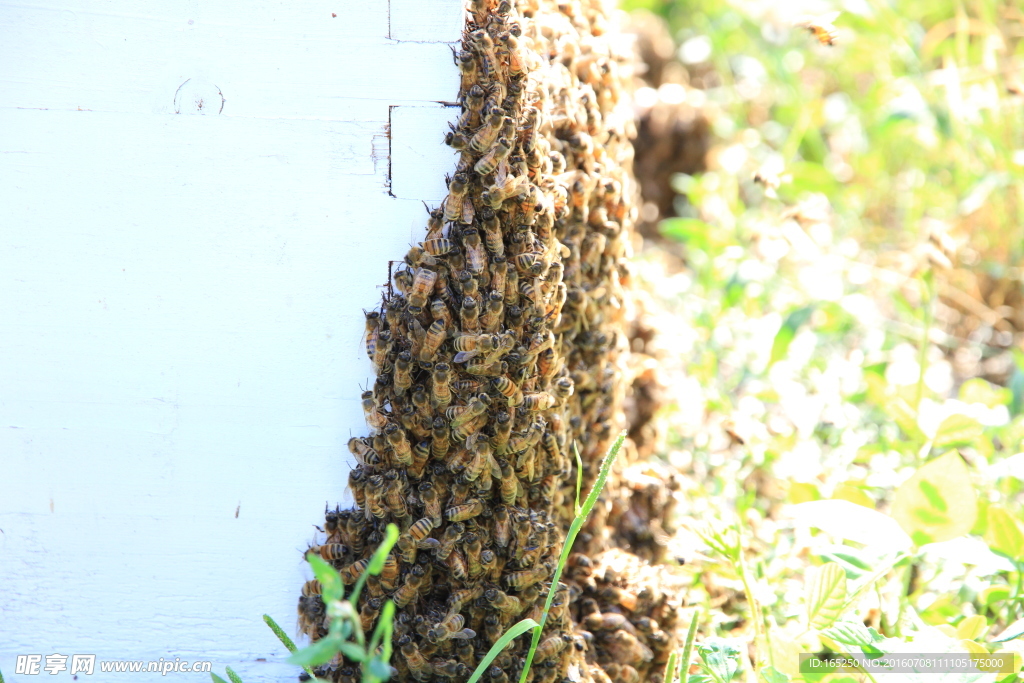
[(450, 537), (381, 350), (457, 566), (418, 666), (512, 298), (440, 388), (311, 588), (368, 613), (484, 369), (499, 268), (452, 627), (409, 589), (437, 246), (526, 578), (504, 188), (360, 449), (356, 484), (457, 599), (821, 27), (485, 49), (353, 571), (374, 419), (488, 133), (493, 313), (539, 401), (620, 596), (394, 495), (420, 456), (457, 189), (403, 373), (489, 162), (399, 444), (431, 503), (492, 232), (476, 257), (460, 513), (502, 432), (551, 646), (374, 493), (372, 330), (503, 602), (422, 286), (469, 315), (311, 611), (463, 414), (450, 668), (473, 101), (509, 484)]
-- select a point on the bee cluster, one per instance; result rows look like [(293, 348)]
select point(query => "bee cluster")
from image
[(498, 347)]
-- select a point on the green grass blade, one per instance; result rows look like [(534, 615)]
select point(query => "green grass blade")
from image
[(684, 659), (216, 678), (283, 637), (499, 645), (383, 631), (235, 678), (574, 529), (579, 478), (670, 668)]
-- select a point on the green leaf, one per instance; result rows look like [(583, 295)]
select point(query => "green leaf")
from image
[(977, 390), (320, 652), (772, 675), (938, 502), (854, 634), (1014, 630), (721, 659), (353, 651), (331, 585), (958, 430), (216, 678), (379, 669), (691, 231), (500, 644), (905, 418), (380, 555), (826, 596), (1003, 534), (784, 337)]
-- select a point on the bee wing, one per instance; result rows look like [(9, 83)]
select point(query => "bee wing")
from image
[(464, 634), (428, 544), (463, 356)]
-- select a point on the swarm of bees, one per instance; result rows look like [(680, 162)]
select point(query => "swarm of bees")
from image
[(498, 346)]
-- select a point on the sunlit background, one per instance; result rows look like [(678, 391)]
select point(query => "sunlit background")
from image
[(832, 290)]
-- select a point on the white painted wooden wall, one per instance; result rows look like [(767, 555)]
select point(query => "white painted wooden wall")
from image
[(196, 201)]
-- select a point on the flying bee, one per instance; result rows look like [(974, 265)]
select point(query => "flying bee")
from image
[(440, 387), (403, 373), (469, 315), (451, 536), (488, 133), (477, 406), (352, 572), (503, 602), (457, 189), (489, 162), (821, 27), (431, 503), (494, 312), (460, 513), (399, 444)]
